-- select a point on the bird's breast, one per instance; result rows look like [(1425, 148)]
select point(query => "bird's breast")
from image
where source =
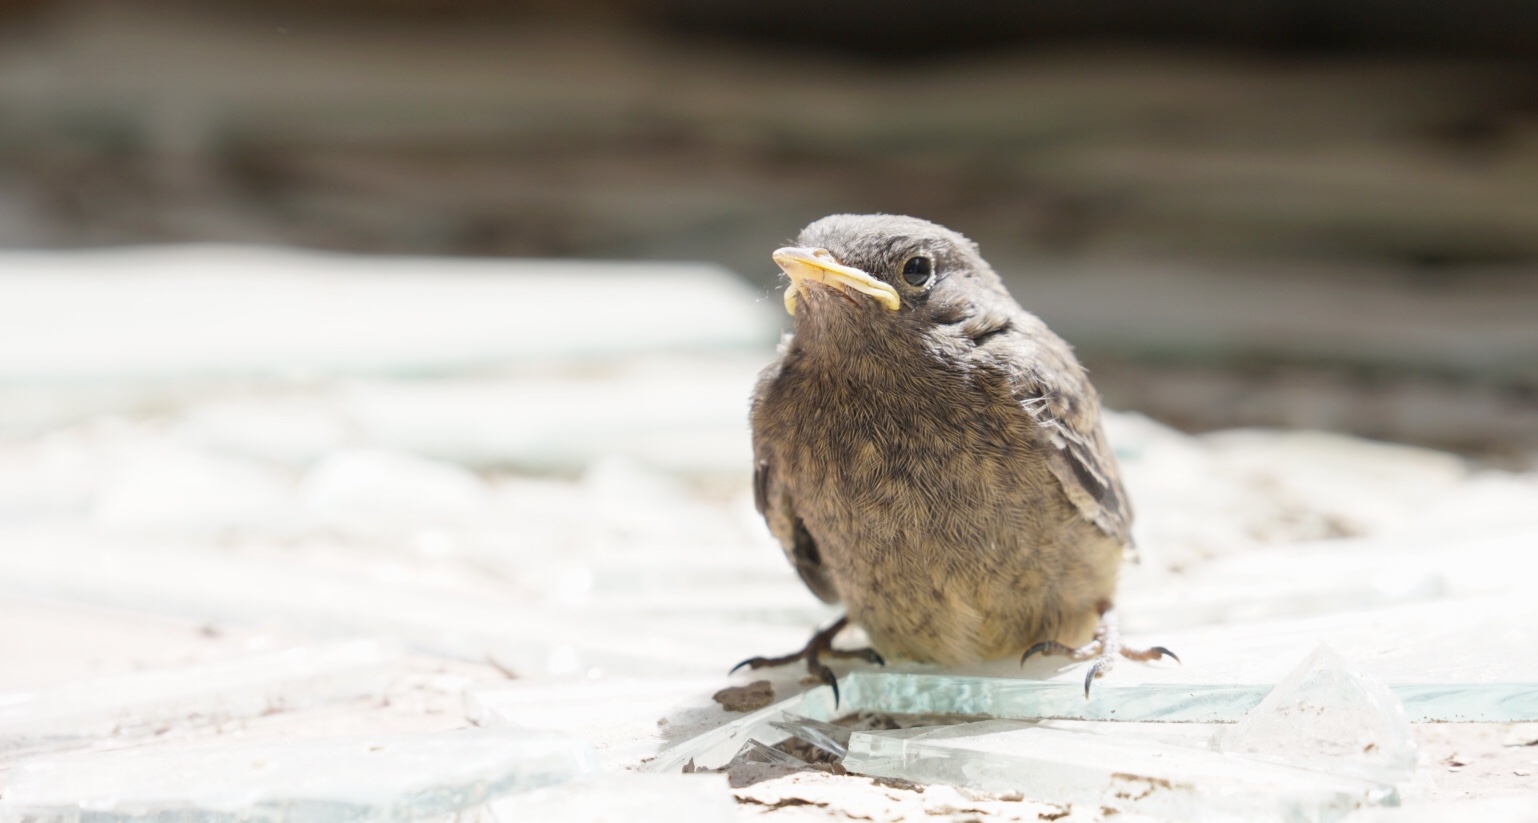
[(899, 470), (931, 503)]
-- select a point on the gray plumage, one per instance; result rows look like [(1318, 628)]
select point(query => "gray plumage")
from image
[(940, 468)]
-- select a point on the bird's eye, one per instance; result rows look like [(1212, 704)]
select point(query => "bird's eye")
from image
[(918, 270)]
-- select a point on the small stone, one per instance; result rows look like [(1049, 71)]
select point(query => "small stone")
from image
[(749, 698)]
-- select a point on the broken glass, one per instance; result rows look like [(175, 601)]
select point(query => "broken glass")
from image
[(389, 777)]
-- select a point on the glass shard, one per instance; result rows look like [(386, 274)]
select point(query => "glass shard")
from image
[(1326, 715), (142, 703), (756, 752), (265, 587), (392, 777), (1118, 773), (826, 736), (899, 692), (717, 747), (896, 692)]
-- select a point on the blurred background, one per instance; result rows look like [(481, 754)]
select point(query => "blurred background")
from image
[(1255, 212)]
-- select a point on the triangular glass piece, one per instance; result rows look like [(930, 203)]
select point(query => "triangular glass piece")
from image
[(1326, 715)]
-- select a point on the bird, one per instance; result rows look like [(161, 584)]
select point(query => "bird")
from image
[(930, 455)]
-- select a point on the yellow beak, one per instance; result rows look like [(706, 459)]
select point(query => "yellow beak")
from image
[(803, 264)]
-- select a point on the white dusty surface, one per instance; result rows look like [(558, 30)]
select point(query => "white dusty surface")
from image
[(438, 528)]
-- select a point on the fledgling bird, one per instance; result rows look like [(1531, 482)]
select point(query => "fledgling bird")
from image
[(930, 454)]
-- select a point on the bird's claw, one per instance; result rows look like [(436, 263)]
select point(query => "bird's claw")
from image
[(868, 655), (825, 675), (1049, 647), (821, 645), (1097, 668), (1103, 650), (1161, 653), (763, 662)]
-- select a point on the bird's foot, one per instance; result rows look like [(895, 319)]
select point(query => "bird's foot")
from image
[(1102, 650), (820, 646)]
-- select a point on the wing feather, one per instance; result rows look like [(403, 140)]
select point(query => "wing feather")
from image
[(774, 503), (1054, 392)]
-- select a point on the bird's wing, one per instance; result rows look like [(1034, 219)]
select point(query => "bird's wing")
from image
[(1052, 389), (774, 503)]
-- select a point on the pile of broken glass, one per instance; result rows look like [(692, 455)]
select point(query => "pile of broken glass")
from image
[(308, 537)]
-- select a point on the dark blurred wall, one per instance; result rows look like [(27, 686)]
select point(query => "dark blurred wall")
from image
[(1246, 212), (907, 30)]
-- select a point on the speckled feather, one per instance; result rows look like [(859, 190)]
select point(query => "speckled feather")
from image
[(939, 469)]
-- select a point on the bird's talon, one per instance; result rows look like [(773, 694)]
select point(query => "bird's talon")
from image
[(1096, 669), (1039, 647), (825, 674), (1054, 647), (867, 654), (819, 647), (1150, 653)]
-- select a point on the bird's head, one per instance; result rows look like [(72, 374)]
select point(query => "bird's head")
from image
[(883, 265)]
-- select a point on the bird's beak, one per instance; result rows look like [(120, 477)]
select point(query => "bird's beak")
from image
[(818, 265)]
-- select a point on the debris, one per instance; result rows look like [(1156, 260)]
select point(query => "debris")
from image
[(749, 698)]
